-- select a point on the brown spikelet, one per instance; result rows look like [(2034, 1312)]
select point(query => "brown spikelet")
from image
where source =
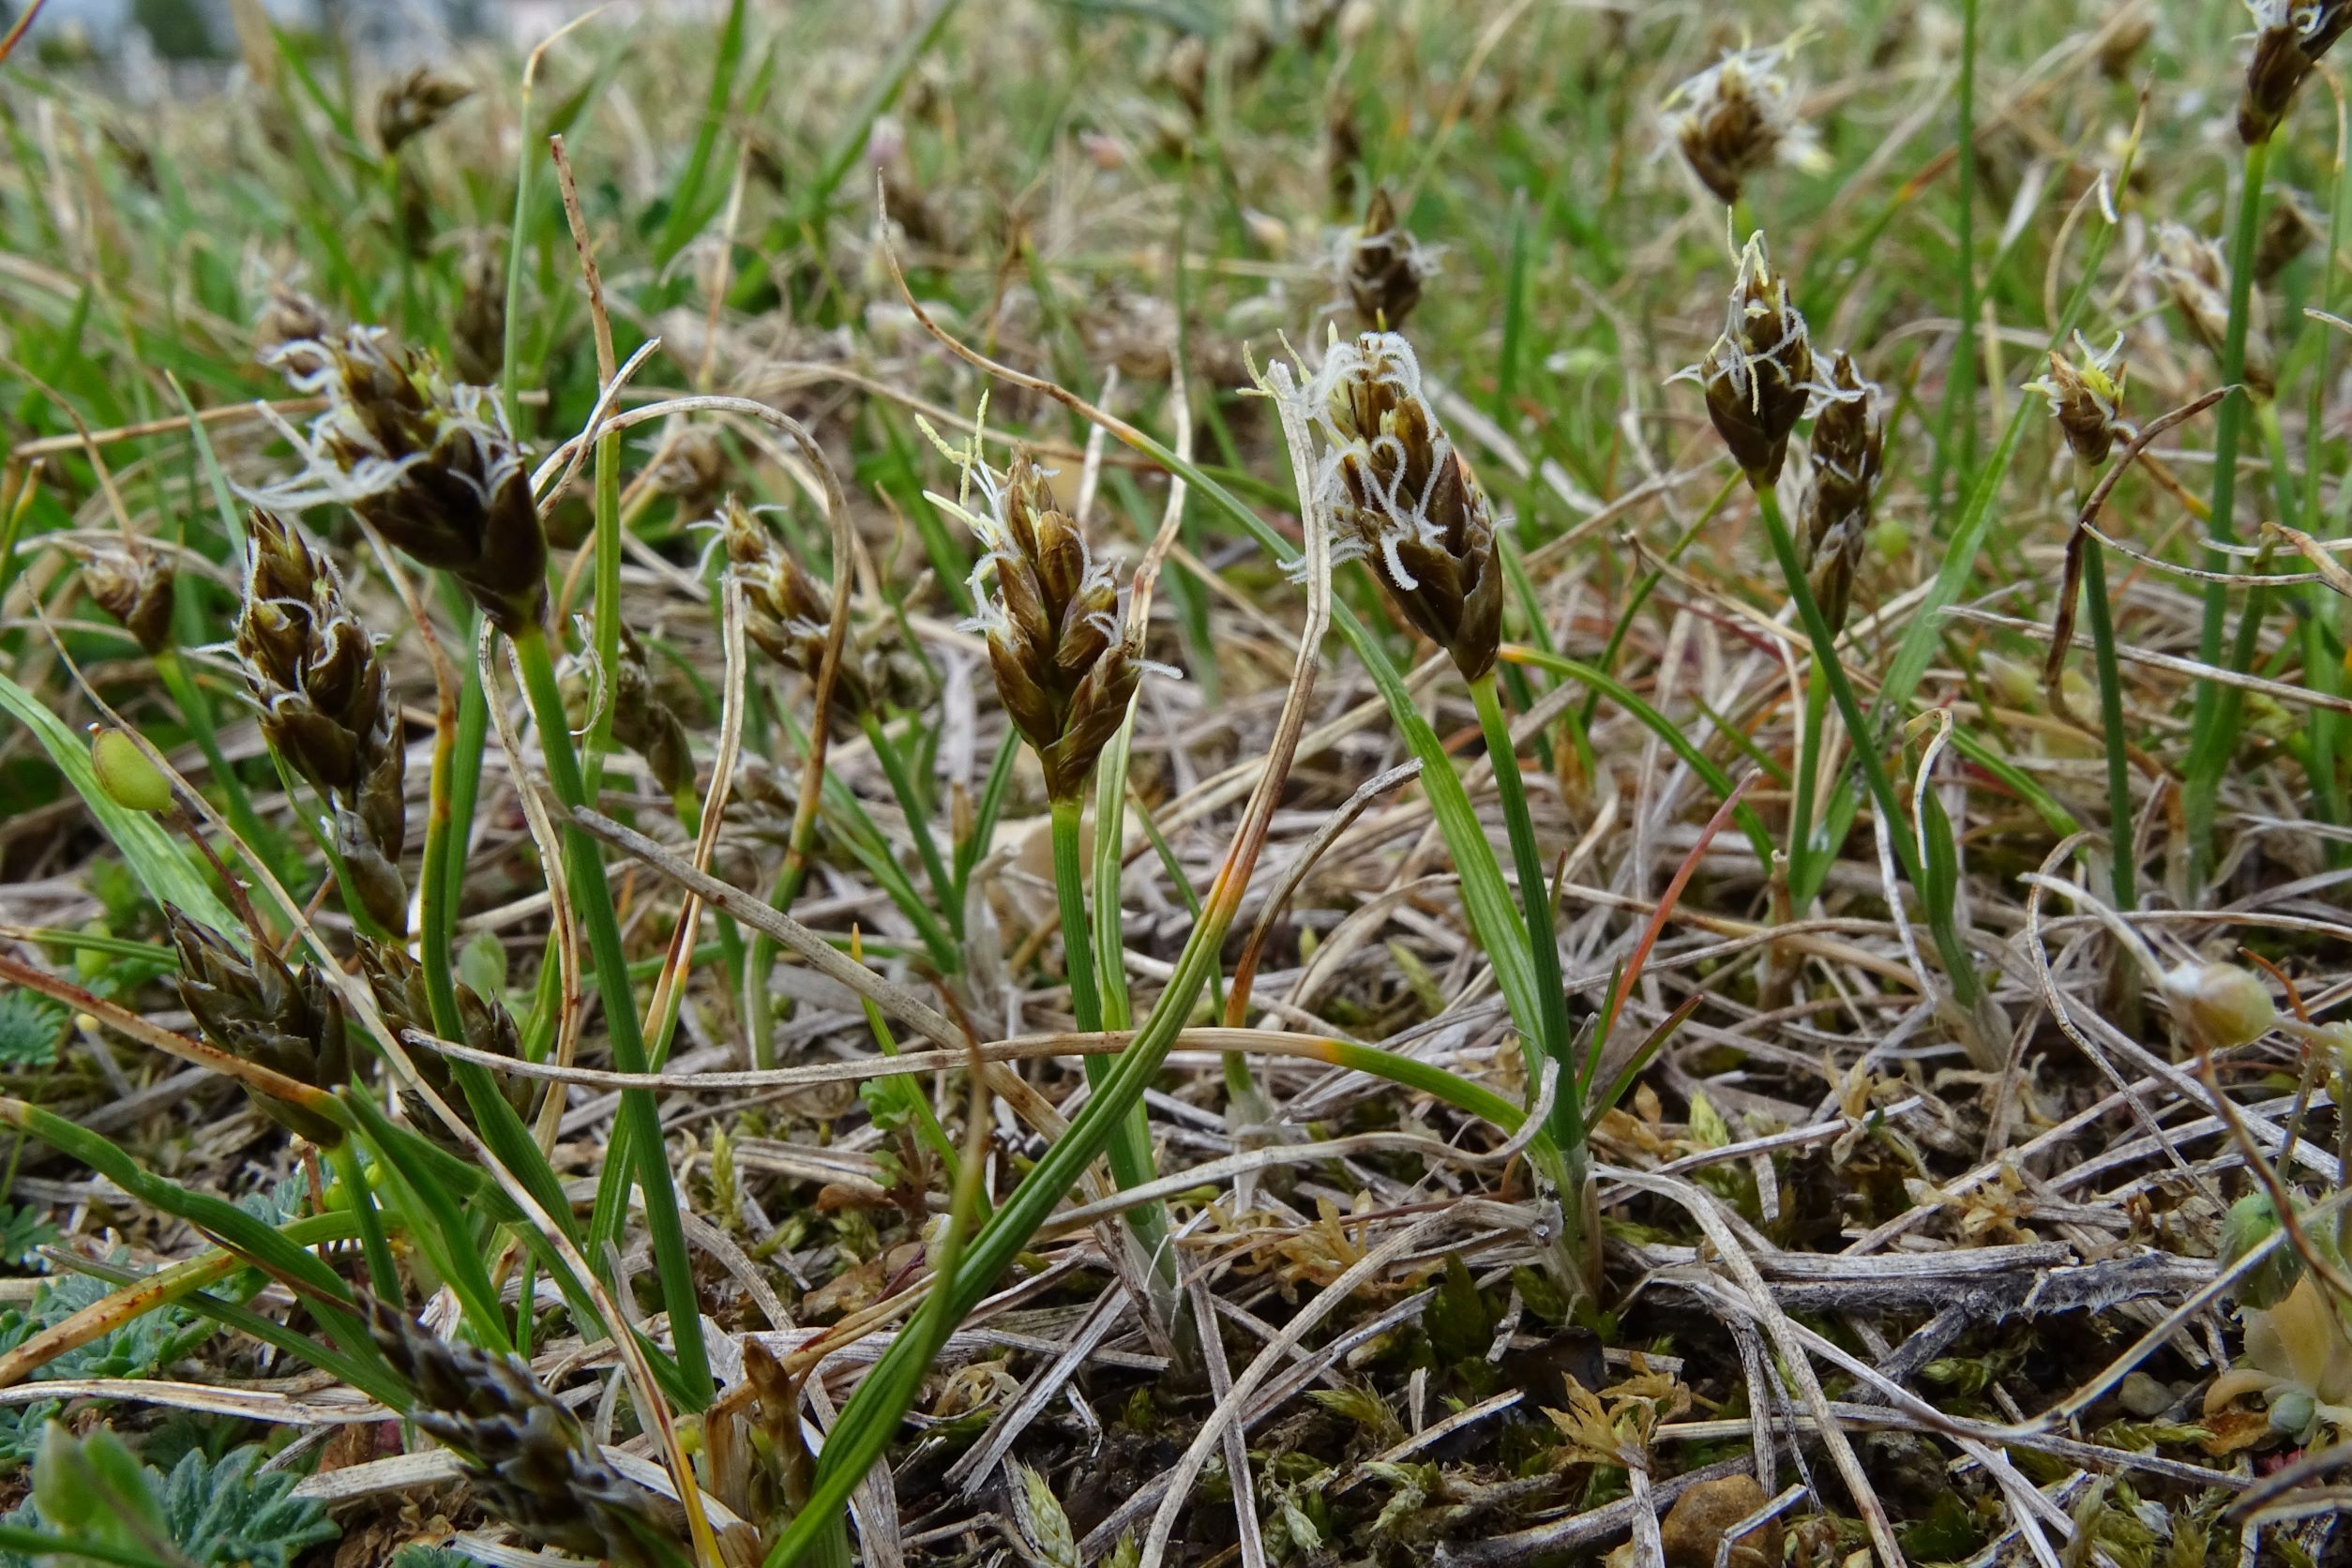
[(2289, 229), (313, 670), (1737, 119), (1847, 459), (1383, 269), (1758, 375), (398, 984), (525, 1453), (2290, 36), (2086, 396), (1064, 667), (290, 331), (136, 586), (787, 613), (477, 333), (433, 466), (1402, 498), (643, 720), (2191, 267), (693, 468), (413, 104), (261, 1011)]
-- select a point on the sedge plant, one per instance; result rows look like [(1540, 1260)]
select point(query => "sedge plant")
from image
[(1760, 378)]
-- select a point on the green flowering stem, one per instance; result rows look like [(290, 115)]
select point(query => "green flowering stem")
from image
[(2101, 614), (1130, 1151), (873, 1413), (894, 767), (456, 784), (1957, 967), (2213, 720), (1552, 1039), (382, 1274), (1801, 819), (592, 901), (2320, 671)]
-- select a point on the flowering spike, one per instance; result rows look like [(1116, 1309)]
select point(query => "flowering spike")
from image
[(1401, 496), (1382, 267), (1758, 375), (527, 1454), (1065, 668), (2191, 267), (2086, 396), (430, 464), (135, 585), (1847, 458), (259, 1010), (2290, 36), (313, 671), (1738, 117)]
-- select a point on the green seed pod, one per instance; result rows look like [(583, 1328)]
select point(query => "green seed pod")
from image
[(2219, 1006), (2294, 1412), (123, 771)]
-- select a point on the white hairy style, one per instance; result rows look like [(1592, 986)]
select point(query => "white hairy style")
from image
[(324, 479), (1760, 78), (1394, 518)]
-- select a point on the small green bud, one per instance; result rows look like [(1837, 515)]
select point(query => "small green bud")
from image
[(2253, 1221), (482, 964), (130, 780), (2294, 1412), (2220, 1005)]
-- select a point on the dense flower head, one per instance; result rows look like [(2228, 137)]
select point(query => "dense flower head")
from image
[(643, 720), (313, 670), (1846, 460), (527, 1456), (261, 1011), (1401, 497), (416, 103), (2191, 268), (134, 584), (1064, 664), (428, 464), (1382, 267), (787, 613), (1758, 376), (2289, 37), (1738, 117), (2086, 396), (401, 996)]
